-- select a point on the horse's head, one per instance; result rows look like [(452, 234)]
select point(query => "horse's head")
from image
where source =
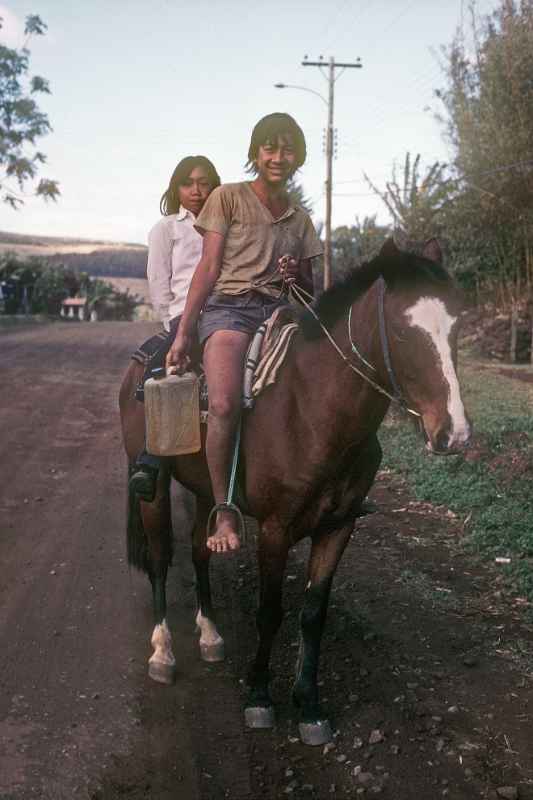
[(423, 311)]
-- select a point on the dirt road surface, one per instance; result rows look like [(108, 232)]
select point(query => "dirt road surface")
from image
[(427, 661)]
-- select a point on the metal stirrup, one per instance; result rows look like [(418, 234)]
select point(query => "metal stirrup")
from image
[(229, 505)]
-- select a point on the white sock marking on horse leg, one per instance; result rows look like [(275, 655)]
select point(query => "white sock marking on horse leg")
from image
[(162, 643), (209, 636), (430, 315)]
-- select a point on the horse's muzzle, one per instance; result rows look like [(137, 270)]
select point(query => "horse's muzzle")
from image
[(448, 442)]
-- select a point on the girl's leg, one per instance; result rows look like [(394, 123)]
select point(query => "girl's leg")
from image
[(223, 363)]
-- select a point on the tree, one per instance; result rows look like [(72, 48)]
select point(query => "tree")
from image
[(354, 244), (297, 196), (35, 285), (22, 122), (416, 203), (488, 119)]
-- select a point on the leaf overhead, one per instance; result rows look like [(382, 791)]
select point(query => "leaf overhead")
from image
[(21, 123)]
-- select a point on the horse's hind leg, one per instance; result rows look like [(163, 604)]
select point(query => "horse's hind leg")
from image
[(326, 550), (273, 550), (211, 642), (156, 517)]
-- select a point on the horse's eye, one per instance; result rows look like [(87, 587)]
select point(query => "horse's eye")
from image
[(400, 334)]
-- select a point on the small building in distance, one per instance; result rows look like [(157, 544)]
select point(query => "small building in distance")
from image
[(74, 308)]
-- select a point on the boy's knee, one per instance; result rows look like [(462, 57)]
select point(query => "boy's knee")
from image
[(224, 408)]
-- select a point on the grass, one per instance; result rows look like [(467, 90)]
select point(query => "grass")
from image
[(421, 585), (491, 488)]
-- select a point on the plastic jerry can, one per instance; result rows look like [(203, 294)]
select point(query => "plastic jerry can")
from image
[(172, 413)]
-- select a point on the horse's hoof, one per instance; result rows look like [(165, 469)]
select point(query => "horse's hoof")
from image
[(259, 717), (315, 733), (162, 673), (212, 652)]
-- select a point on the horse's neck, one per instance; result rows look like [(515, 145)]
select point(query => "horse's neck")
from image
[(364, 330), (342, 403)]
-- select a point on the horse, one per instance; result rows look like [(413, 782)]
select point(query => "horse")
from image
[(309, 455)]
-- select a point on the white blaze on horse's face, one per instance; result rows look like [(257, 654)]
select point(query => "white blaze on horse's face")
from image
[(430, 315)]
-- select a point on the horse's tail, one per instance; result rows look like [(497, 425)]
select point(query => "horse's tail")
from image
[(136, 535)]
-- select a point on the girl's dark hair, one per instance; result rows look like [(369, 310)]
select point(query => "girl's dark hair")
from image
[(269, 129), (170, 201)]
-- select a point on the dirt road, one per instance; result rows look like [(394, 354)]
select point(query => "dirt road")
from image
[(427, 667)]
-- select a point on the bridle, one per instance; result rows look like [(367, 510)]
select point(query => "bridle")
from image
[(397, 396)]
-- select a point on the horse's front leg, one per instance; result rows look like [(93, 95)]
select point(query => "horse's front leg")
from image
[(211, 642), (326, 550), (156, 518), (272, 552)]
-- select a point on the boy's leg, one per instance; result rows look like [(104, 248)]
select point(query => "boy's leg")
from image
[(224, 355)]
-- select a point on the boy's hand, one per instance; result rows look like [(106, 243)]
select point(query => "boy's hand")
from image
[(289, 268), (178, 355)]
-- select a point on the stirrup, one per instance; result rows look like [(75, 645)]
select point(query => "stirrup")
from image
[(228, 507)]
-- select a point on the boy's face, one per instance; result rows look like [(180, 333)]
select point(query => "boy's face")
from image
[(276, 160)]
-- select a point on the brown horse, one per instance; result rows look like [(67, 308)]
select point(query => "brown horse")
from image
[(310, 454)]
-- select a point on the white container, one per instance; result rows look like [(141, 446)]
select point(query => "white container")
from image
[(172, 413)]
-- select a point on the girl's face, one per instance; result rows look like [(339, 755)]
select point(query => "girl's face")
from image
[(195, 191), (276, 160)]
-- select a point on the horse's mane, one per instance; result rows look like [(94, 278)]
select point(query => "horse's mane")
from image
[(405, 269)]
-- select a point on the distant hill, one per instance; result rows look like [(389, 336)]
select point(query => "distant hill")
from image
[(111, 259)]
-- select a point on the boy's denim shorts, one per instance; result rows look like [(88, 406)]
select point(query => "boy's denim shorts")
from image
[(236, 312)]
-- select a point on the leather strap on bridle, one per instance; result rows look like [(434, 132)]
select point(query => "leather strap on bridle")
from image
[(398, 395)]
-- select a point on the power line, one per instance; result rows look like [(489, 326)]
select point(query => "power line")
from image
[(334, 19), (399, 16), (362, 10), (482, 174)]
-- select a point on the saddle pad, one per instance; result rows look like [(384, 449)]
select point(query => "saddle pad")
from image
[(267, 353), (272, 358)]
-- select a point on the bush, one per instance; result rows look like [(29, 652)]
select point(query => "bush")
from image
[(33, 285)]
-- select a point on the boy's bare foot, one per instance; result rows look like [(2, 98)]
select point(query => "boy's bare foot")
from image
[(224, 538)]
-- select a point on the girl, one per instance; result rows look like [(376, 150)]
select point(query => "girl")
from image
[(174, 249)]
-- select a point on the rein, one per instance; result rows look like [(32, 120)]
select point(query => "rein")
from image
[(397, 397)]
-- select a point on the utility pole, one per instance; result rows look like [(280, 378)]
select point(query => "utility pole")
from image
[(332, 66)]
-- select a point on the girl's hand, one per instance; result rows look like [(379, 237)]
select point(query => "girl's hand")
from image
[(178, 355), (289, 268)]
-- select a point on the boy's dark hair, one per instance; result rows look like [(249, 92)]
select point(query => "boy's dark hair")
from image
[(170, 201), (268, 129)]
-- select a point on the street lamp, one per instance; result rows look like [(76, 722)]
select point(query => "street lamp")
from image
[(303, 88)]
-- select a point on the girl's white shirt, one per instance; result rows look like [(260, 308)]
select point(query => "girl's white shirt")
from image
[(174, 250)]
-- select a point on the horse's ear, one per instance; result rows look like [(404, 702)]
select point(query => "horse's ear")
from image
[(432, 251), (389, 249), (389, 260)]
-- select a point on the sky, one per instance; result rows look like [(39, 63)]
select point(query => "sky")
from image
[(136, 86)]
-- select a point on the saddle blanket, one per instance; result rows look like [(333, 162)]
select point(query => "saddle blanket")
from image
[(267, 353)]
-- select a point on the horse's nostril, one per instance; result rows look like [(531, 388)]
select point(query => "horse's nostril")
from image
[(442, 441)]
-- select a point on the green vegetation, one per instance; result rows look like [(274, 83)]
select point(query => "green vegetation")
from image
[(32, 285), (22, 122), (481, 202), (416, 202), (489, 487)]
